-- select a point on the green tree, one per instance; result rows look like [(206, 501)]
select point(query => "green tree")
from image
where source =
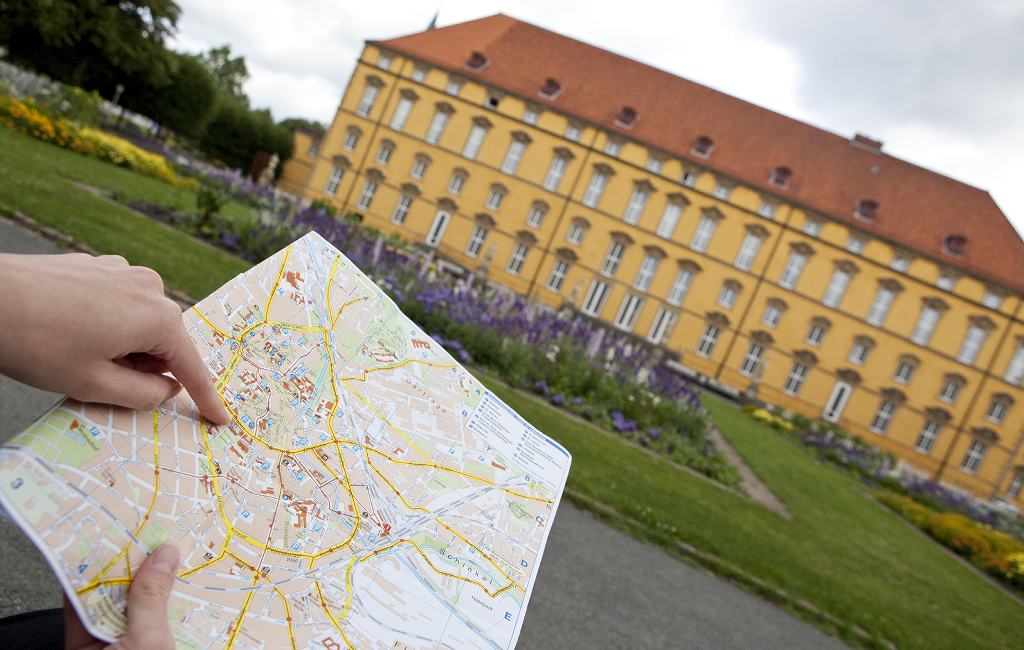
[(91, 43), (234, 134), (185, 103), (230, 72), (292, 123)]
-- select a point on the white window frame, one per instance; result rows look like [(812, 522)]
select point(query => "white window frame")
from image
[(669, 219), (535, 215), (992, 300), (401, 211), (927, 323), (613, 258), (419, 73), (900, 263), (438, 227), (811, 227), (728, 295), (950, 391), (722, 191), (752, 360), (595, 189), (688, 178), (796, 378), (904, 371), (974, 340), (927, 436), (517, 258), (612, 147), (419, 168), (369, 98), (635, 206), (576, 233), (402, 111), (836, 288), (629, 312), (367, 195), (791, 272), (772, 315), (438, 123), (837, 401), (513, 156), (572, 132), (453, 87), (816, 334), (596, 296), (708, 340), (884, 417), (456, 183), (766, 209), (531, 115), (384, 153), (558, 274), (946, 281), (646, 272), (974, 457), (654, 164), (1014, 374), (476, 240), (494, 198), (351, 139), (855, 243), (474, 141), (663, 321), (997, 411), (556, 170), (680, 287), (702, 235), (859, 353), (880, 306), (333, 180), (747, 253)]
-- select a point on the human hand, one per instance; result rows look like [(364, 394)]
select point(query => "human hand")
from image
[(147, 609), (98, 330)]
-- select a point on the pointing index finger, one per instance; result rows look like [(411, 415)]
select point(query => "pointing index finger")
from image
[(187, 366)]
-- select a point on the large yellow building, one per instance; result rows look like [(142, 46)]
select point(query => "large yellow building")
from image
[(845, 283)]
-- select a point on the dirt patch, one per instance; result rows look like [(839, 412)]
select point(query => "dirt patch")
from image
[(752, 484)]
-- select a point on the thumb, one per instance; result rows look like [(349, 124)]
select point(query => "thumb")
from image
[(112, 383), (147, 602)]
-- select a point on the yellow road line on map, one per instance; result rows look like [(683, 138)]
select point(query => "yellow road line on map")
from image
[(199, 567), (241, 618), (393, 488), (287, 615), (108, 581), (277, 282), (482, 554), (397, 366), (456, 471), (323, 603), (206, 320), (431, 564), (145, 518), (386, 421), (330, 281)]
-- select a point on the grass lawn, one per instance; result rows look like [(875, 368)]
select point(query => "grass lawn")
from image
[(841, 551), (35, 178)]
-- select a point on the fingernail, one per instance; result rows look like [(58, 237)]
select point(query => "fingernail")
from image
[(165, 559)]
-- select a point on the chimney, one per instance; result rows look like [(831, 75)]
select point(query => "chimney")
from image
[(864, 142)]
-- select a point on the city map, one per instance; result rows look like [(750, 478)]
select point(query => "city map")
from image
[(369, 493)]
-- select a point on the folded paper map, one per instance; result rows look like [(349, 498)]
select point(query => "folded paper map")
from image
[(369, 493)]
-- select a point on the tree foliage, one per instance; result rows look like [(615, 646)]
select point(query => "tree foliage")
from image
[(230, 72), (235, 133), (96, 44), (292, 123), (185, 103)]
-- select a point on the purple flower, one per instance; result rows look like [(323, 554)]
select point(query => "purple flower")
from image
[(541, 387), (557, 400)]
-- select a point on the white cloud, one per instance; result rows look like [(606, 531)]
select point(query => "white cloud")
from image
[(937, 80)]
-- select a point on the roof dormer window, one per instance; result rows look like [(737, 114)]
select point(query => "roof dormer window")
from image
[(781, 176), (703, 146), (866, 210), (477, 61), (627, 116), (954, 244), (550, 89)]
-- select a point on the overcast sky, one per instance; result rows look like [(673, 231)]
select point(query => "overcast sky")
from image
[(941, 82)]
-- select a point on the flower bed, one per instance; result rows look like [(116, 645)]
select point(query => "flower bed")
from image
[(25, 116), (997, 553)]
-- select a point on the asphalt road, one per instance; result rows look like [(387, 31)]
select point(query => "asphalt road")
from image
[(597, 587)]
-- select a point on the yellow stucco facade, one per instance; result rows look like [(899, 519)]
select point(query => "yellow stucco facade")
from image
[(744, 286)]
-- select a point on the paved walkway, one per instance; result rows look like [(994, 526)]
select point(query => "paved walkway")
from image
[(597, 587)]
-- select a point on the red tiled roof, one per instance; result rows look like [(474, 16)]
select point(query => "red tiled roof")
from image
[(917, 208)]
